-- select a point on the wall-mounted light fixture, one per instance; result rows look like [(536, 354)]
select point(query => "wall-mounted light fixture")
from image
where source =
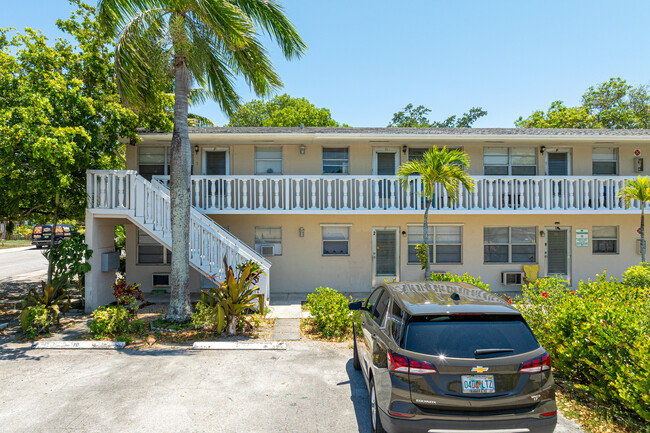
[(404, 148), (403, 232), (542, 233), (302, 149), (542, 149), (196, 148), (301, 232)]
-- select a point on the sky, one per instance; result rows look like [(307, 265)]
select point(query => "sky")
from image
[(367, 59)]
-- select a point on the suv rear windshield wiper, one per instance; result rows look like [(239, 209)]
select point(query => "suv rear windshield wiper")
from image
[(479, 352)]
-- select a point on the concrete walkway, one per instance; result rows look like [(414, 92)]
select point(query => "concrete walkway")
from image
[(287, 322)]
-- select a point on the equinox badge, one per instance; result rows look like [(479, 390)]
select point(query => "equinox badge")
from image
[(479, 369)]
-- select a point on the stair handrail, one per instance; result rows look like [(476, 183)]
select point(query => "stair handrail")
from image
[(209, 223)]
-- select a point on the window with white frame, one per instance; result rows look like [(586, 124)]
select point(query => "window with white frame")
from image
[(510, 161), (510, 244), (445, 243), (268, 241), (153, 161), (268, 159), (604, 161), (336, 160), (604, 239), (150, 252), (336, 240)]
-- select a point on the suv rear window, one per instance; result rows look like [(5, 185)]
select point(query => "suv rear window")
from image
[(460, 336)]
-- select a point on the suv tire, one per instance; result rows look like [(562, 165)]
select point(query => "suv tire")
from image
[(355, 357), (375, 419)]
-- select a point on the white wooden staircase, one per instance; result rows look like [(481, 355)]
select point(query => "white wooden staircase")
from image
[(126, 194)]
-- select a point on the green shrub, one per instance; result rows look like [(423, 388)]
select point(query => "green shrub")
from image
[(330, 312), (37, 319), (637, 276), (204, 316), (476, 281), (114, 321), (597, 336)]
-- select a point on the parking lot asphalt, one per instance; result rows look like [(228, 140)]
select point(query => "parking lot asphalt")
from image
[(310, 387)]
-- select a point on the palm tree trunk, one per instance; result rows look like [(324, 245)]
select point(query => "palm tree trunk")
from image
[(179, 303), (425, 232), (642, 233)]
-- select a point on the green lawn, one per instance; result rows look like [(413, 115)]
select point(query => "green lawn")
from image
[(14, 244)]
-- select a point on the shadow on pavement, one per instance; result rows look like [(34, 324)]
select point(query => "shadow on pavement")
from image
[(19, 353), (359, 396)]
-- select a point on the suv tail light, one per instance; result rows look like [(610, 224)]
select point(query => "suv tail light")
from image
[(536, 365), (405, 365)]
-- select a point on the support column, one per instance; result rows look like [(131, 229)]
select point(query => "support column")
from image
[(100, 237)]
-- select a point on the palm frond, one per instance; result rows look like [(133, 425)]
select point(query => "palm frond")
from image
[(196, 120), (635, 189), (270, 16)]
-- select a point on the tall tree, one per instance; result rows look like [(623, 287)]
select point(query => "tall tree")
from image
[(416, 117), (60, 115), (210, 42), (443, 166), (612, 104), (637, 189), (283, 110)]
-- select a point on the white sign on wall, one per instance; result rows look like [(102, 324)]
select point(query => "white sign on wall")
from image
[(582, 237)]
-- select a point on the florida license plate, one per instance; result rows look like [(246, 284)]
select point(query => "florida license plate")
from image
[(477, 384)]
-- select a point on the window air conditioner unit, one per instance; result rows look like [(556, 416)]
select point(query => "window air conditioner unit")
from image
[(160, 280), (268, 250), (512, 278)]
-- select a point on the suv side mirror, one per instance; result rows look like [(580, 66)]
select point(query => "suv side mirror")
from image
[(355, 306)]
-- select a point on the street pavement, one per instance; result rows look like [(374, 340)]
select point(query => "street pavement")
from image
[(23, 263), (310, 387)]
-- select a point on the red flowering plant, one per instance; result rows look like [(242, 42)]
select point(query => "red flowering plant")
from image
[(127, 295)]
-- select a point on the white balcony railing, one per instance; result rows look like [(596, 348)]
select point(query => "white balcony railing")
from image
[(381, 194), (148, 205)]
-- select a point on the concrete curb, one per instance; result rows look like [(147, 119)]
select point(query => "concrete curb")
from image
[(235, 345), (114, 345)]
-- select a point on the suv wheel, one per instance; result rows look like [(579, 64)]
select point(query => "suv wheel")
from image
[(375, 420), (355, 357)]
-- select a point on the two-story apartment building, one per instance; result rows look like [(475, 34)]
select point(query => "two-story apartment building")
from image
[(324, 207)]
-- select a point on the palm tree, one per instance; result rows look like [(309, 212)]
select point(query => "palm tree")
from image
[(638, 189), (443, 166), (210, 43)]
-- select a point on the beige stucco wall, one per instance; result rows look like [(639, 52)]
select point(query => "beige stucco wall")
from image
[(301, 268), (142, 274), (242, 154)]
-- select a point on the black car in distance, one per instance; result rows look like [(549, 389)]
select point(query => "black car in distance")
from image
[(441, 357)]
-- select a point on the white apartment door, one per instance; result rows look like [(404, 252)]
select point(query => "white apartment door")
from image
[(385, 254), (558, 252)]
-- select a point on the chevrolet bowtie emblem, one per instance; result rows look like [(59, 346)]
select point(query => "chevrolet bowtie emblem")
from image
[(479, 369)]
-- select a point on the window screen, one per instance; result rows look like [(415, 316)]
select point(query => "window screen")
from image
[(336, 160), (267, 237), (510, 244), (605, 239), (268, 160), (445, 243), (336, 241), (604, 161), (510, 161)]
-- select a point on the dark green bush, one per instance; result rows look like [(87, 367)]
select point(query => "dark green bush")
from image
[(597, 336), (330, 312), (476, 281)]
